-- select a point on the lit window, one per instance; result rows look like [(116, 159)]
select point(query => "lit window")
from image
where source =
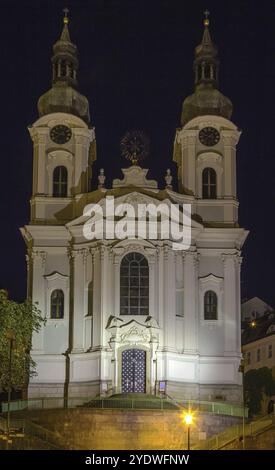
[(134, 285), (60, 181), (57, 304), (210, 305), (209, 184)]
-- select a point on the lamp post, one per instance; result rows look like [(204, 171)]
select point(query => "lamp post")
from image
[(10, 335), (241, 369), (188, 419)]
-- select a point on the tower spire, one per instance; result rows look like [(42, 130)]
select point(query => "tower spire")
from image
[(206, 99), (64, 60), (63, 96), (206, 17), (206, 39), (66, 18), (206, 63), (65, 35)]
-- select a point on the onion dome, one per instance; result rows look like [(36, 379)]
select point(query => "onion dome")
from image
[(64, 96), (206, 99)]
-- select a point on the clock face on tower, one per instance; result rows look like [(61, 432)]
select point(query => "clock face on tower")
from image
[(60, 134), (209, 136)]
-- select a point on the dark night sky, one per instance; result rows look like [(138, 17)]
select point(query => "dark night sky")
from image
[(136, 68)]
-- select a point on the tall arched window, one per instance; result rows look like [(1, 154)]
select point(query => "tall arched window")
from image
[(210, 305), (209, 184), (134, 285), (60, 181), (57, 304)]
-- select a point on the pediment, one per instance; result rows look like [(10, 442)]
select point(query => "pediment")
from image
[(56, 276), (132, 331), (211, 280), (135, 176), (134, 198)]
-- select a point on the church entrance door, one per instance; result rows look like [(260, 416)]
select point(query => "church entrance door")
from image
[(133, 371)]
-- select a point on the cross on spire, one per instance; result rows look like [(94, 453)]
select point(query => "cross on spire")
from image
[(66, 19), (206, 17)]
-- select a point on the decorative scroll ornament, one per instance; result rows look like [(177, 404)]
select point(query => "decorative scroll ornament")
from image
[(135, 335)]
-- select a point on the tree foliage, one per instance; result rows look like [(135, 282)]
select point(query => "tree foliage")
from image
[(258, 382), (23, 319)]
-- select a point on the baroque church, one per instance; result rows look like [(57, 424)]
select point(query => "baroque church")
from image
[(134, 315)]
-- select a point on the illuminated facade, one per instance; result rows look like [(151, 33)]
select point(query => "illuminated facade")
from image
[(135, 315)]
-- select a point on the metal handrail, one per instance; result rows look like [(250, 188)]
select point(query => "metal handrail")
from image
[(46, 435), (134, 403), (219, 441)]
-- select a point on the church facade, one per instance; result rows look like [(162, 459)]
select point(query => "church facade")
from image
[(135, 315)]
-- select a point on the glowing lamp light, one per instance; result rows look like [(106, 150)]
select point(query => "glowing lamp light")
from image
[(188, 419)]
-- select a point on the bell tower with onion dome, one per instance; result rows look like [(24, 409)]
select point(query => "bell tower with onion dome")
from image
[(205, 145), (63, 138)]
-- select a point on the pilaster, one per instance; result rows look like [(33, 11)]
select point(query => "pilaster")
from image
[(38, 259), (79, 276), (190, 302), (169, 299), (231, 324)]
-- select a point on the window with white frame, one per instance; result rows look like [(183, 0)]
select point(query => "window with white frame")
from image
[(210, 305), (60, 181), (134, 285), (209, 183), (57, 304)]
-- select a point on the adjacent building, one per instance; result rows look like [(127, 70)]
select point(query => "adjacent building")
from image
[(258, 341), (254, 308)]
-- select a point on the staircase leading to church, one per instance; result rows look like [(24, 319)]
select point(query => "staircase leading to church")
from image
[(134, 401)]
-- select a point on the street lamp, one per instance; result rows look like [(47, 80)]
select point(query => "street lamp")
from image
[(10, 335), (241, 369), (188, 419)]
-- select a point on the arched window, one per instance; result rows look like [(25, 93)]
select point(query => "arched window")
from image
[(57, 304), (63, 68), (60, 181), (210, 305), (55, 70), (209, 184), (199, 73), (70, 70), (214, 72), (207, 71), (134, 285)]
